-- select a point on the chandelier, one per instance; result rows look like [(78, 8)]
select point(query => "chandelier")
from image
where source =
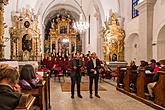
[(82, 24)]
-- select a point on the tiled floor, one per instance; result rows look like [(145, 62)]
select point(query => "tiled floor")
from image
[(110, 99)]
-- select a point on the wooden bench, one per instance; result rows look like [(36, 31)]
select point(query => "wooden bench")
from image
[(121, 72), (47, 90), (142, 80), (39, 93), (26, 103), (159, 90), (130, 76)]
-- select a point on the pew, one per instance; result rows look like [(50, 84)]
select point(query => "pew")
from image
[(130, 76), (142, 80), (126, 79), (47, 90), (26, 102), (39, 93), (140, 83), (45, 75), (121, 72), (159, 90)]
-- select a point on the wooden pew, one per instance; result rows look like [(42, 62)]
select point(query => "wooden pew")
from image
[(127, 79), (26, 102), (142, 80), (39, 93), (121, 72), (159, 89), (47, 90), (140, 83), (130, 76)]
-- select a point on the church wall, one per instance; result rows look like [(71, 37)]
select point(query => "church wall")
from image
[(142, 25), (131, 28), (7, 19), (158, 23), (93, 33), (104, 7)]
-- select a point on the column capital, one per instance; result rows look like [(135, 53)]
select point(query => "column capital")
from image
[(5, 2), (145, 4)]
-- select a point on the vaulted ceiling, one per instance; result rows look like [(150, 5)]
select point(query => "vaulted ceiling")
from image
[(47, 8)]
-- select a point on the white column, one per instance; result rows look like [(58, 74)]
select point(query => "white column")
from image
[(146, 9)]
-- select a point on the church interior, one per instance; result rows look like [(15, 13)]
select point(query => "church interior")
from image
[(127, 36)]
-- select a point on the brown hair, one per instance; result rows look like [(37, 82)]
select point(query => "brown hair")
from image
[(27, 73), (8, 73)]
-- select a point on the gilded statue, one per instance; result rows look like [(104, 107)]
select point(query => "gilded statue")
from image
[(113, 40)]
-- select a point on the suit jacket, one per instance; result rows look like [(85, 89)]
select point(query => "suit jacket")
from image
[(9, 98), (90, 66), (76, 68)]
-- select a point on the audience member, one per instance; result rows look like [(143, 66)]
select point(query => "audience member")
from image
[(28, 77), (133, 65), (9, 88), (151, 85)]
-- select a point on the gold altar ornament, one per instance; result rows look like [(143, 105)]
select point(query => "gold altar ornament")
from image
[(113, 40), (25, 36)]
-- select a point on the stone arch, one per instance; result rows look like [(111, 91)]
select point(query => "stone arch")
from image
[(161, 44), (132, 47)]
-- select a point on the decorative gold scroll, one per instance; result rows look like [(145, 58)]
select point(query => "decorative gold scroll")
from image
[(113, 40)]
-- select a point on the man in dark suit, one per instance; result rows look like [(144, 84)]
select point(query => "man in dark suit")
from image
[(76, 64), (93, 67)]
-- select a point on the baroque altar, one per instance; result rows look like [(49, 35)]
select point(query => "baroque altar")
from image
[(25, 36), (63, 38), (113, 40)]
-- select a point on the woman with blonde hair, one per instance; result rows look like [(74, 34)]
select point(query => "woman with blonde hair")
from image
[(9, 88)]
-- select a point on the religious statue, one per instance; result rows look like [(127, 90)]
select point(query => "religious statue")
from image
[(113, 40), (26, 43)]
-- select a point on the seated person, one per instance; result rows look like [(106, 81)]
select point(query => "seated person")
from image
[(28, 78), (9, 88), (133, 65), (106, 70), (151, 85), (157, 67)]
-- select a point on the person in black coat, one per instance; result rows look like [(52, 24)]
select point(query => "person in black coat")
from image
[(9, 88), (76, 64), (93, 67)]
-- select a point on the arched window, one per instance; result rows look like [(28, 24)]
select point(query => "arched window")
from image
[(134, 11)]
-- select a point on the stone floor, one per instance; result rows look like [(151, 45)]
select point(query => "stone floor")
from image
[(110, 99)]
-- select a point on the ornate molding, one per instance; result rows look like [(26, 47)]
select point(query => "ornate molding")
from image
[(5, 2), (113, 40), (25, 36)]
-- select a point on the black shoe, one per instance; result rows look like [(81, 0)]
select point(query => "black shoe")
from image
[(80, 96), (97, 96), (91, 96), (72, 97)]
